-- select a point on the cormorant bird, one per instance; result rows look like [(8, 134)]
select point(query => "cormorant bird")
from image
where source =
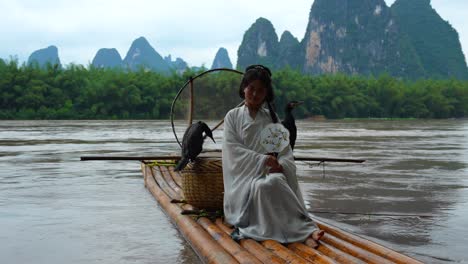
[(192, 143), (289, 121)]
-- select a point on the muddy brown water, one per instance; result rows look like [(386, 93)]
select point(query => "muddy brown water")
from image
[(410, 195)]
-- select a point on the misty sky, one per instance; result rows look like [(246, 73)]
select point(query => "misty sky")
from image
[(192, 30)]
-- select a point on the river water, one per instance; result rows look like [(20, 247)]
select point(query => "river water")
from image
[(411, 194)]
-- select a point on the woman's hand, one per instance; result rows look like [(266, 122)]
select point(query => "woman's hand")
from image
[(272, 161), (276, 170), (274, 165)]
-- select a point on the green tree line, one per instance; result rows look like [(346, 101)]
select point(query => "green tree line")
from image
[(77, 92)]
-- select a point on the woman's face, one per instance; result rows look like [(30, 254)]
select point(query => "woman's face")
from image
[(255, 93)]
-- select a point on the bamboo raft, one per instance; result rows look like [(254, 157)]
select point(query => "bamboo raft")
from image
[(212, 242)]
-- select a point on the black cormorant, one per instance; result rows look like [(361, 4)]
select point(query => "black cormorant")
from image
[(192, 143), (289, 121)]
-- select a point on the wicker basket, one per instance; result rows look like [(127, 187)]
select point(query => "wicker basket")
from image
[(202, 183)]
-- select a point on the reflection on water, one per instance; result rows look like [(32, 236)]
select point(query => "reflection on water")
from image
[(410, 195)]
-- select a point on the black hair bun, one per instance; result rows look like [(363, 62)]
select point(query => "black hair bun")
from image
[(258, 67)]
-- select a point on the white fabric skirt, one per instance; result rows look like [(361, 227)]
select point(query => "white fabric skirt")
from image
[(275, 212)]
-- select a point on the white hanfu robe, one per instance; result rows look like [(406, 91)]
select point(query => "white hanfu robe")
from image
[(259, 204)]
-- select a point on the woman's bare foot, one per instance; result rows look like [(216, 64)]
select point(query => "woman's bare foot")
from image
[(313, 240), (318, 234)]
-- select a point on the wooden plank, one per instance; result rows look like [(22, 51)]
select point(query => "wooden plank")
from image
[(203, 244)]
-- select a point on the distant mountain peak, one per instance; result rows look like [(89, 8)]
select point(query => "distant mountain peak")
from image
[(286, 36), (107, 58), (142, 55), (435, 41), (179, 65), (44, 56), (289, 52), (356, 37), (259, 45), (221, 59), (141, 41)]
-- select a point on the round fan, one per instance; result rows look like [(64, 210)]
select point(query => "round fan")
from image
[(274, 138)]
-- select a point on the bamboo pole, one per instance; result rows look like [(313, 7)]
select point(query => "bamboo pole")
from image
[(176, 176), (283, 252), (267, 248), (338, 255), (238, 252), (203, 244), (263, 254), (168, 178), (307, 158), (354, 250), (367, 245), (139, 158), (310, 254), (222, 120), (157, 174), (223, 226), (209, 155), (191, 95)]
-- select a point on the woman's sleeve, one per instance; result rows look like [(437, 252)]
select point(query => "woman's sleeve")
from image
[(240, 159)]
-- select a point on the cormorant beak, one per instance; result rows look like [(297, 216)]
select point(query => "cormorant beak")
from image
[(210, 136), (298, 103), (213, 140)]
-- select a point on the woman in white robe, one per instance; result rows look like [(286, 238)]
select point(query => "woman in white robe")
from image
[(262, 198)]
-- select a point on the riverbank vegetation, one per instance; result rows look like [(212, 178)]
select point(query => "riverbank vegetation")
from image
[(77, 92)]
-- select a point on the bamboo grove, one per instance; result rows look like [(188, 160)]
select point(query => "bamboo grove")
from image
[(77, 92)]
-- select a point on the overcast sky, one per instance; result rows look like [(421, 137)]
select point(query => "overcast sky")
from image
[(192, 30)]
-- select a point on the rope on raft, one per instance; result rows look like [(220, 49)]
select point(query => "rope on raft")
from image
[(318, 165)]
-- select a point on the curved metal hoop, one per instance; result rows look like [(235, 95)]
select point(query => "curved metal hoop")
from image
[(190, 81)]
